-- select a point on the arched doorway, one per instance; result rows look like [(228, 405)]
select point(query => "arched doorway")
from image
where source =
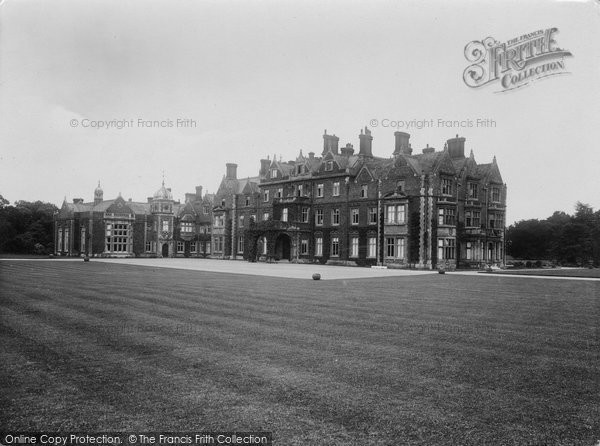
[(165, 250), (283, 247)]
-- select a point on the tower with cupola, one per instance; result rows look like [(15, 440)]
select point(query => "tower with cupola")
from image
[(162, 212)]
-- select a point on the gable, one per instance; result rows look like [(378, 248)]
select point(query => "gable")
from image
[(119, 206), (364, 176)]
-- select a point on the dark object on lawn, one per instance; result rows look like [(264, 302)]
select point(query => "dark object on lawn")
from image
[(441, 271), (86, 259), (316, 276), (51, 256)]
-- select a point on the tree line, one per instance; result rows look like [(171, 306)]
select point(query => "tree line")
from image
[(561, 238), (26, 227)]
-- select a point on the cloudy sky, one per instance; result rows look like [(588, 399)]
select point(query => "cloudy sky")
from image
[(265, 78)]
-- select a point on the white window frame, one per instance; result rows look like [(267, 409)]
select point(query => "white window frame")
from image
[(354, 247), (336, 189)]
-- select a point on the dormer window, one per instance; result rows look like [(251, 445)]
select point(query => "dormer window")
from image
[(400, 186), (274, 173), (329, 166), (473, 191), (495, 194), (446, 186)]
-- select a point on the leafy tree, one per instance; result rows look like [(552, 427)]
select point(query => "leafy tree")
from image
[(26, 227), (561, 237)]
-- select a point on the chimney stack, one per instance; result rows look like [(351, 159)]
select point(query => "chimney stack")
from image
[(199, 191), (77, 200), (402, 145), (264, 167), (231, 171), (348, 150), (366, 142), (428, 149), (456, 147), (330, 143)]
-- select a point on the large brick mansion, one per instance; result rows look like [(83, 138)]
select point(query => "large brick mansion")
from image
[(437, 208)]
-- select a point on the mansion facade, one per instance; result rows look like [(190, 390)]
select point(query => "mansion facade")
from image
[(160, 227), (433, 209)]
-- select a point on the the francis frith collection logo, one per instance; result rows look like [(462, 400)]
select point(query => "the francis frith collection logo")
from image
[(516, 62)]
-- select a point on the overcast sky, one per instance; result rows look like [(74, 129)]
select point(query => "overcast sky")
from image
[(264, 78)]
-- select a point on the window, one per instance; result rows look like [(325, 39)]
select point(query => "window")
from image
[(218, 244), (335, 217), (335, 247), (180, 247), (469, 251), (446, 186), (304, 247), (319, 246), (446, 216), (395, 214), (241, 221), (329, 165), (279, 192), (473, 191), (117, 237), (284, 214), (390, 245), (67, 241), (253, 218), (372, 216), (60, 240), (446, 248), (240, 244), (266, 196), (247, 201), (148, 246), (218, 219), (165, 225), (82, 240), (372, 247), (336, 189), (395, 247), (265, 216), (205, 210), (496, 220), (354, 247), (273, 173), (300, 190), (495, 194), (264, 246), (400, 186), (193, 248), (319, 217), (473, 219), (207, 247), (354, 216), (364, 191), (304, 215), (319, 191), (400, 248), (187, 227)]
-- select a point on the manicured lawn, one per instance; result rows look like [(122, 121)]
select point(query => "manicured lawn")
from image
[(431, 360), (563, 272)]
